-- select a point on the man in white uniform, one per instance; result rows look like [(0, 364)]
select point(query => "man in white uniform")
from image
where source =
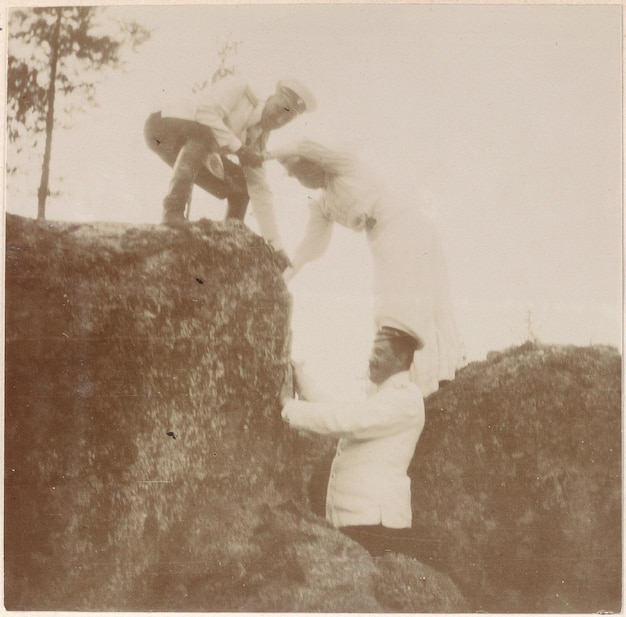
[(195, 136), (369, 491)]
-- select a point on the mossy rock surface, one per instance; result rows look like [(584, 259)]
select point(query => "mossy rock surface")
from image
[(517, 480), (147, 468), (146, 464)]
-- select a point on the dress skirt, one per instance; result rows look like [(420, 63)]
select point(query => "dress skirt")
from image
[(411, 288)]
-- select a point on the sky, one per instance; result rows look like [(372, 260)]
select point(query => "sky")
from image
[(502, 122)]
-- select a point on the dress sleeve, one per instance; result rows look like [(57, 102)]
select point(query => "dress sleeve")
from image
[(378, 416), (316, 238), (262, 202)]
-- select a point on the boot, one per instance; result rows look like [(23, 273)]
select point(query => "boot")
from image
[(178, 195), (173, 218)]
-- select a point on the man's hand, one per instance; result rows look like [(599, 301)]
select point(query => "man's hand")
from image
[(249, 157), (288, 389), (282, 260), (298, 378)]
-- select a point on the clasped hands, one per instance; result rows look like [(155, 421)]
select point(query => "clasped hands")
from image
[(250, 157)]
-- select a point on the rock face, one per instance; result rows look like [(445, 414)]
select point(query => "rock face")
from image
[(146, 465), (147, 468), (517, 480), (142, 370)]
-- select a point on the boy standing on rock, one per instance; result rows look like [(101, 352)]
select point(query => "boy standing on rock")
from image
[(195, 137)]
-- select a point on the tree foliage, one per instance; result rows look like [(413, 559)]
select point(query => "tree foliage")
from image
[(55, 55), (82, 47), (226, 53)]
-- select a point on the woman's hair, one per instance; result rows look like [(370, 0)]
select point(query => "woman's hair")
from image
[(293, 162), (332, 161)]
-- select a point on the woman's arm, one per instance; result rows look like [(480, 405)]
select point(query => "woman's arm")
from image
[(315, 241), (262, 202)]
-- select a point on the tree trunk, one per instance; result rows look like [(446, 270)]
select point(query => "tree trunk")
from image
[(45, 171)]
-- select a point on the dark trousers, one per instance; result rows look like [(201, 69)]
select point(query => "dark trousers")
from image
[(183, 145), (379, 540)]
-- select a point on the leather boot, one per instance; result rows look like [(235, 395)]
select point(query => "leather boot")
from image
[(178, 195)]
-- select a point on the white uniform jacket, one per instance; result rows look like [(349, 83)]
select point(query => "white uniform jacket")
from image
[(233, 112), (368, 481)]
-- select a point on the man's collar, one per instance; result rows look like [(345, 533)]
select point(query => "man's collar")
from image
[(401, 378)]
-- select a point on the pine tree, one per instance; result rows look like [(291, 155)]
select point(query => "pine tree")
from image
[(55, 54)]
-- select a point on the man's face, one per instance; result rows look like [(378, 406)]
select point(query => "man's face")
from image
[(383, 362), (277, 112)]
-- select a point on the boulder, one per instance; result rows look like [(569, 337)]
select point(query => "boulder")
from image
[(517, 480), (147, 468), (146, 464)]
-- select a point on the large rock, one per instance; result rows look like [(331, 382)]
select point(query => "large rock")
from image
[(146, 465), (517, 480)]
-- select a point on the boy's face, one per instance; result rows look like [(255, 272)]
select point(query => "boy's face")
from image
[(277, 112)]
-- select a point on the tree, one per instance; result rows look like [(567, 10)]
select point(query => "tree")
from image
[(56, 53), (226, 54)]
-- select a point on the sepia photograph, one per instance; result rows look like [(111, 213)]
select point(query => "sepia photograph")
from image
[(313, 308)]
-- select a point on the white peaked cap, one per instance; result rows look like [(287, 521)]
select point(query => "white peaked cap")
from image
[(305, 101)]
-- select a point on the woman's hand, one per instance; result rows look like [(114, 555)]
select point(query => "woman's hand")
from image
[(282, 260)]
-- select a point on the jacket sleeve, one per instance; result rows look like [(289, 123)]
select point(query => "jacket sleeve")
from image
[(213, 110), (262, 202), (381, 415), (316, 238)]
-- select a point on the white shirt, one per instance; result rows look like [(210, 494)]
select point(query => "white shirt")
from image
[(233, 111), (368, 481)]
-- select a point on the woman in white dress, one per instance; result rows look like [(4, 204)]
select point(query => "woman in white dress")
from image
[(410, 276)]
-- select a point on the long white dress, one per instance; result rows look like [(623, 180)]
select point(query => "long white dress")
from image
[(411, 288)]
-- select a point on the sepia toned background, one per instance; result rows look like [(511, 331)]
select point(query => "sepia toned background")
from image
[(502, 122), (146, 464)]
